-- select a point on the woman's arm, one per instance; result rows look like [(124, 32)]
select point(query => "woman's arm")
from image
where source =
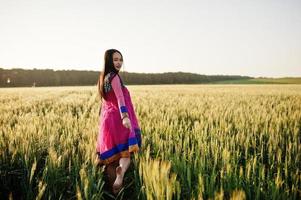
[(116, 85)]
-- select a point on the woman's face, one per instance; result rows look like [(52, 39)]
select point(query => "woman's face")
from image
[(117, 60)]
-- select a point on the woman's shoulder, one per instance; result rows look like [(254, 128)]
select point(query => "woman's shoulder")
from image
[(110, 76)]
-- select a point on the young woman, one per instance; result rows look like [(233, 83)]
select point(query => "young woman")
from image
[(119, 132)]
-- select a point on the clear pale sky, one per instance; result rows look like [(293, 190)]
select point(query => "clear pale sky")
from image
[(233, 37)]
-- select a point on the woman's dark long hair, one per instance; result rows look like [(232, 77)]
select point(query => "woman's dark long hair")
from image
[(107, 68)]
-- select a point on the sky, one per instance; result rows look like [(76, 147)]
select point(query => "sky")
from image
[(259, 38)]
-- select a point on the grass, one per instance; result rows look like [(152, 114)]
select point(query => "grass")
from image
[(198, 142)]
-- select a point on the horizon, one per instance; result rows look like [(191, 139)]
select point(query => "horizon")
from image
[(256, 39), (157, 72)]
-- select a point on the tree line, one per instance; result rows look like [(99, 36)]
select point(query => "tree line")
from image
[(18, 77)]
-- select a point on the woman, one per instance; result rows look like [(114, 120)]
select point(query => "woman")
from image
[(119, 132)]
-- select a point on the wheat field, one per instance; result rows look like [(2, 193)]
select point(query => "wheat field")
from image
[(198, 142)]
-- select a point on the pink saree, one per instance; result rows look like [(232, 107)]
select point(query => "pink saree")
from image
[(115, 141)]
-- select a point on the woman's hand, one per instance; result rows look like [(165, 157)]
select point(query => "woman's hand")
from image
[(126, 122)]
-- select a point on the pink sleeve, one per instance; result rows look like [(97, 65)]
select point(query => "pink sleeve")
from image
[(116, 85)]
